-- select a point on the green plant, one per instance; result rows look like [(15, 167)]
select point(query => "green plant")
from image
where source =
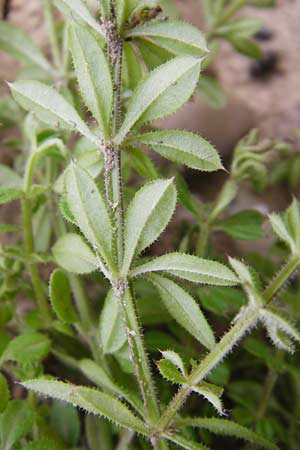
[(80, 196)]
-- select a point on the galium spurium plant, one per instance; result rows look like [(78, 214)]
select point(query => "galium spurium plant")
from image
[(102, 230)]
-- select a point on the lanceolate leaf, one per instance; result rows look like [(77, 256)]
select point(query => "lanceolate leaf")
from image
[(9, 194), (15, 423), (191, 268), (184, 148), (170, 371), (164, 91), (77, 10), (20, 45), (74, 255), (185, 443), (27, 348), (245, 225), (91, 400), (111, 327), (148, 214), (60, 296), (89, 210), (226, 427), (211, 396), (178, 38), (93, 75), (184, 309), (50, 107)]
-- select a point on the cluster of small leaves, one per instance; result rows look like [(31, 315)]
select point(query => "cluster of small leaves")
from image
[(132, 66)]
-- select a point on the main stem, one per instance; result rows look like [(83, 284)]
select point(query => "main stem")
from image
[(226, 344), (121, 287)]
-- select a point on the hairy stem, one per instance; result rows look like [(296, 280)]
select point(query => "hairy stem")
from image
[(244, 324)]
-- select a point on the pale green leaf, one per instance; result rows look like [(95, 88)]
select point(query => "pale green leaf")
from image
[(211, 90), (142, 163), (224, 427), (9, 178), (60, 296), (178, 38), (282, 232), (91, 400), (292, 216), (172, 356), (185, 443), (184, 309), (77, 10), (274, 324), (50, 107), (89, 210), (147, 216), (74, 255), (27, 348), (211, 396), (111, 327), (183, 147), (132, 70), (20, 45), (9, 194), (98, 433), (162, 93), (93, 75), (15, 423), (191, 268), (170, 371), (69, 427)]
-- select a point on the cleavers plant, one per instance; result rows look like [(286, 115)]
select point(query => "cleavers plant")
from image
[(133, 67)]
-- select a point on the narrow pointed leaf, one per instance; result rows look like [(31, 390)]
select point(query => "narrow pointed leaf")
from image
[(9, 194), (224, 427), (15, 423), (148, 214), (91, 400), (77, 10), (74, 255), (111, 328), (210, 396), (172, 356), (191, 268), (177, 37), (275, 323), (170, 371), (50, 107), (280, 229), (93, 75), (142, 163), (184, 148), (89, 210), (162, 93), (184, 309), (185, 443), (20, 45), (60, 296)]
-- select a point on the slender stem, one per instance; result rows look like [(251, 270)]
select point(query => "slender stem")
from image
[(247, 321), (31, 266), (203, 240), (49, 19), (266, 394), (281, 278)]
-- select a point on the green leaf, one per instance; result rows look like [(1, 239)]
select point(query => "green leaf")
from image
[(89, 210), (221, 300), (212, 394), (244, 27), (170, 371), (69, 427), (186, 198), (292, 219), (9, 194), (27, 348), (132, 71), (191, 268), (211, 90), (9, 178), (60, 296), (20, 45), (185, 443), (7, 228), (224, 427), (178, 38), (280, 331), (98, 433), (42, 444), (245, 225), (184, 309), (15, 423), (50, 107), (4, 393), (142, 163), (279, 228), (91, 400), (247, 47), (74, 255), (93, 75), (77, 10), (183, 147), (161, 93), (147, 216), (172, 356), (111, 327)]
